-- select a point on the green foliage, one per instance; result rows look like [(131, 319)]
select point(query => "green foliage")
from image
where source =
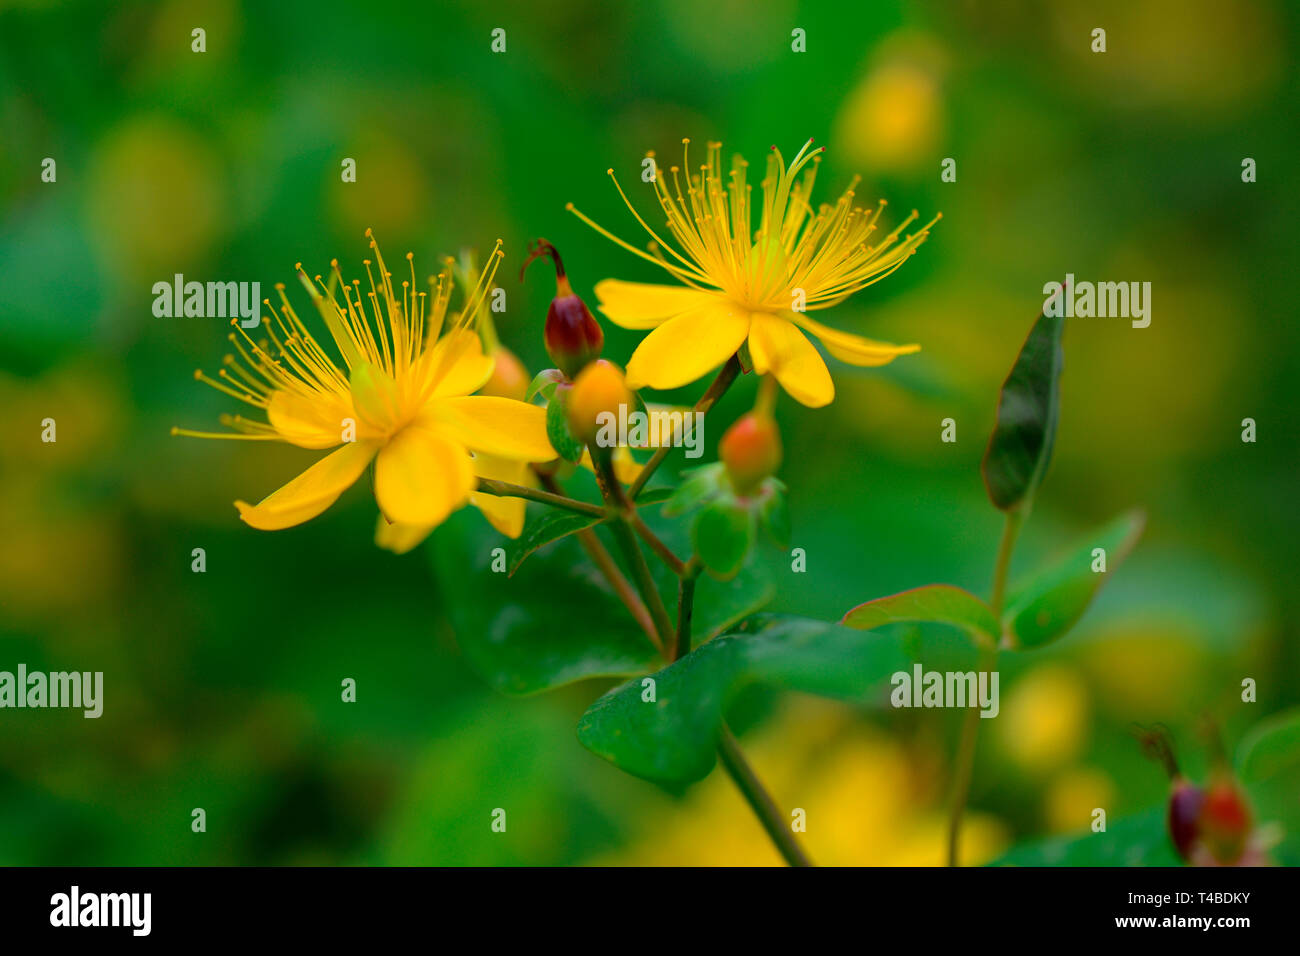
[(557, 427), (937, 603), (1270, 748), (1020, 447), (1046, 607), (541, 530), (723, 533), (1138, 840), (553, 624), (673, 738), (543, 384)]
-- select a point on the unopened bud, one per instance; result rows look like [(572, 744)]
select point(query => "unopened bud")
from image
[(1185, 801), (509, 377), (751, 450), (599, 389), (573, 336), (1225, 821)]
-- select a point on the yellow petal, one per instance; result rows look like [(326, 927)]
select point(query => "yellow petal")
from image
[(376, 397), (459, 362), (626, 468), (308, 422), (850, 348), (637, 305), (400, 538), (505, 514), (778, 347), (497, 426), (311, 492), (421, 476), (688, 347)]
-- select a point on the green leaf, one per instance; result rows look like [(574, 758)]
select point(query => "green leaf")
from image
[(722, 535), (540, 530), (700, 485), (1046, 607), (1139, 840), (1020, 447), (938, 603), (673, 739), (1270, 747), (557, 428), (543, 384), (774, 513), (553, 623)]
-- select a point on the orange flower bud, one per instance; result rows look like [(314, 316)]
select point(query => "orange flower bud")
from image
[(751, 450), (509, 377), (573, 336), (599, 388)]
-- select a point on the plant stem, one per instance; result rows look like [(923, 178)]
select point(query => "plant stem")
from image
[(751, 788), (685, 609), (719, 387), (504, 489), (645, 583), (665, 553), (605, 563), (988, 661), (1010, 529)]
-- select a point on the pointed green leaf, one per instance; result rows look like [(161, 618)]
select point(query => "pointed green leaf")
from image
[(543, 384), (1020, 447), (543, 528), (699, 486), (938, 603), (553, 623), (1047, 606), (673, 739)]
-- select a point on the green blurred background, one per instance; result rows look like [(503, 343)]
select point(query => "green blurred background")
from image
[(222, 689)]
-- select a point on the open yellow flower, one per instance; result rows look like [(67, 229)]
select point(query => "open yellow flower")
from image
[(753, 288), (401, 398)]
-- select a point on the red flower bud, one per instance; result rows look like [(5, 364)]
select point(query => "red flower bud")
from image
[(1225, 821), (573, 336), (751, 450)]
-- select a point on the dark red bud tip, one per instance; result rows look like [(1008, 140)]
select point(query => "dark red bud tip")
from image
[(538, 248)]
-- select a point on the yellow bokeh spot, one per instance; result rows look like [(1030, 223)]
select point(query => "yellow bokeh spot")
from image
[(893, 119), (1044, 718), (867, 801), (155, 200), (1073, 796)]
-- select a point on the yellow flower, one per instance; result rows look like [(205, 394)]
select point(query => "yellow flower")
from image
[(402, 399), (755, 288)]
